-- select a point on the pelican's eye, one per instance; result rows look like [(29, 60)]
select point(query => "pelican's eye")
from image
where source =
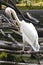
[(16, 23)]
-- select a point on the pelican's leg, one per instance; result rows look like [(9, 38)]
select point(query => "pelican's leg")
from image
[(23, 45), (23, 48), (29, 50)]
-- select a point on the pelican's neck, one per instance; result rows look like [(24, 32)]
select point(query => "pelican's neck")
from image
[(15, 15), (9, 11)]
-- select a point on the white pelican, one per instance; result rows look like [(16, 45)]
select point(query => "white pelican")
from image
[(28, 31)]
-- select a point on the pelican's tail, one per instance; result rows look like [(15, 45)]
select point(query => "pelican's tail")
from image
[(36, 46)]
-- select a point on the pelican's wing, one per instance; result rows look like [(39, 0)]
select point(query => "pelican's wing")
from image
[(30, 34), (29, 30)]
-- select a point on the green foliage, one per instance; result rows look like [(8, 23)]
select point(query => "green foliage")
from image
[(3, 55), (30, 7), (18, 1), (37, 0)]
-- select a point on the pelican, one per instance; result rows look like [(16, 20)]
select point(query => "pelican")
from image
[(28, 31)]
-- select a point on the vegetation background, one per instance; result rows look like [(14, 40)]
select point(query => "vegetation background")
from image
[(22, 5), (28, 4)]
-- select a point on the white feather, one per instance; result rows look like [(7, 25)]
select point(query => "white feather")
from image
[(29, 33)]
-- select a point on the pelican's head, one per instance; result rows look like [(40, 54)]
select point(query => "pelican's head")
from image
[(8, 12)]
